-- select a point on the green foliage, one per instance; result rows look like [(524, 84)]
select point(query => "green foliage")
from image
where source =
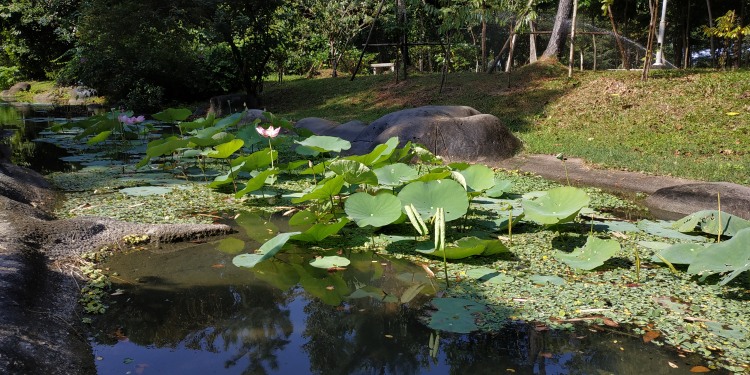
[(559, 205), (8, 76), (709, 222), (266, 251), (591, 255), (729, 256), (428, 197), (375, 211)]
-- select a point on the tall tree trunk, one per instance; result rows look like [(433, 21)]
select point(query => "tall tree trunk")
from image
[(593, 38), (484, 41), (334, 61), (532, 41), (507, 42), (512, 48), (402, 26), (558, 30), (572, 38), (653, 7), (445, 64), (713, 38), (687, 58), (625, 63)]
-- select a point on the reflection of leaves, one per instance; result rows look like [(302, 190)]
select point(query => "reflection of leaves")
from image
[(319, 287), (455, 315), (231, 245)]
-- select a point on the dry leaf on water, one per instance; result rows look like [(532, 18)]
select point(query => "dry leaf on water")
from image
[(672, 365), (700, 369), (650, 335), (610, 322)]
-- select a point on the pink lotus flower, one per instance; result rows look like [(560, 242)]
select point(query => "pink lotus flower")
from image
[(270, 132), (131, 120)]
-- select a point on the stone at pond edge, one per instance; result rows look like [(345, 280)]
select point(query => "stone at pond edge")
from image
[(15, 89), (675, 202)]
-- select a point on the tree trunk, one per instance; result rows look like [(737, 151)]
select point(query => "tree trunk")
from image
[(572, 38), (558, 31), (507, 42), (686, 59), (402, 26), (484, 41), (510, 53), (625, 63), (711, 24), (532, 42), (653, 6), (594, 40), (334, 61), (445, 64)]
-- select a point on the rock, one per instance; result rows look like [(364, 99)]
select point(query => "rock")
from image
[(47, 98), (456, 133), (252, 115), (679, 201), (201, 111), (15, 89), (224, 105), (316, 125), (349, 131), (80, 95)]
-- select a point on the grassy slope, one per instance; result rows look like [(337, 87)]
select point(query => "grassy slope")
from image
[(674, 124)]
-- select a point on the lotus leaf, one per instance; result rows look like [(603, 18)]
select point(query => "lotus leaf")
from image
[(323, 143), (367, 292), (615, 226), (231, 245), (428, 248), (266, 251), (256, 226), (197, 124), (171, 115), (400, 154), (166, 148), (280, 274), (428, 197), (395, 174), (376, 211), (320, 231), (303, 217), (323, 191), (434, 176), (330, 262), (256, 160), (727, 256), (708, 221), (591, 255), (256, 182), (458, 177), (99, 138), (224, 150), (306, 151), (541, 280), (654, 245), (492, 247), (146, 190), (412, 292), (228, 121), (354, 172), (380, 153), (226, 178), (680, 254), (559, 205), (499, 225), (489, 275), (216, 139), (500, 188), (459, 166), (425, 155), (102, 162), (478, 177), (455, 315), (664, 229), (249, 135), (734, 333)]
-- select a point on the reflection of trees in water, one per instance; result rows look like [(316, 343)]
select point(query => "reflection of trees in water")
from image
[(252, 319), (349, 341)]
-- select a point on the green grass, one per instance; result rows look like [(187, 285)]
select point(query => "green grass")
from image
[(675, 124)]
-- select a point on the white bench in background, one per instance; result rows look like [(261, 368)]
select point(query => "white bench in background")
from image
[(379, 68)]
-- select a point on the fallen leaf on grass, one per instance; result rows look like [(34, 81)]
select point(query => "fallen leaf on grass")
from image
[(389, 336), (732, 113), (700, 369), (650, 335)]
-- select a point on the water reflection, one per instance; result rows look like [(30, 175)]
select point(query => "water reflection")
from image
[(193, 311)]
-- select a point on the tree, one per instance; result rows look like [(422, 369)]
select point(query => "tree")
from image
[(729, 28), (558, 30)]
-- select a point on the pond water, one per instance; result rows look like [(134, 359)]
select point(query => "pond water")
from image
[(190, 310)]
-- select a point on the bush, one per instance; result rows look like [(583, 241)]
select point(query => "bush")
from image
[(8, 76)]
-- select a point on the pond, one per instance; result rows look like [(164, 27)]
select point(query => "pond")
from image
[(190, 310)]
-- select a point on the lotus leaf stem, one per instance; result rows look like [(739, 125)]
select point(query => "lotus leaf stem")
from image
[(721, 226)]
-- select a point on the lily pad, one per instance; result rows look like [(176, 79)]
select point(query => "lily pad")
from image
[(330, 262), (428, 197), (140, 191), (455, 315), (323, 143), (395, 174), (489, 275), (428, 248), (320, 231), (501, 187), (708, 222), (541, 280), (354, 172), (591, 255), (664, 229), (376, 211), (266, 251), (680, 254), (559, 205), (478, 177), (727, 256), (734, 333)]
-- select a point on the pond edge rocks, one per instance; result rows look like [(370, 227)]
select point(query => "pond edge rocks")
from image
[(40, 330)]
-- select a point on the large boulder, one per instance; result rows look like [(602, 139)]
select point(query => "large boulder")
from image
[(348, 131), (15, 89), (456, 133), (678, 201)]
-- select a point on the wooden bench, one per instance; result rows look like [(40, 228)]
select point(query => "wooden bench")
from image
[(379, 68)]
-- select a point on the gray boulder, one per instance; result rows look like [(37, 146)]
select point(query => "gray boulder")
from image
[(456, 133), (316, 125), (80, 95), (348, 131), (676, 202), (15, 89), (252, 115)]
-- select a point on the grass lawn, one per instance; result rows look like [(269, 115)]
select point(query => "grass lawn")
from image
[(684, 123)]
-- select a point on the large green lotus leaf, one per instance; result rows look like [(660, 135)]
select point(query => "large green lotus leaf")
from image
[(455, 315), (319, 287), (478, 177), (317, 168), (303, 217), (459, 166), (591, 255), (331, 261), (680, 254), (266, 251), (379, 153), (231, 245), (428, 197), (320, 231), (708, 221), (433, 176), (489, 275), (166, 148), (377, 211), (256, 226), (559, 205), (395, 174), (655, 245), (197, 124), (171, 115), (492, 247), (256, 182), (726, 256), (354, 172), (216, 139), (541, 280), (322, 143), (323, 191), (101, 137), (225, 149), (734, 333), (256, 160), (404, 154), (228, 121), (500, 188), (249, 135), (280, 274), (426, 155), (140, 191), (306, 151), (664, 229), (428, 248)]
